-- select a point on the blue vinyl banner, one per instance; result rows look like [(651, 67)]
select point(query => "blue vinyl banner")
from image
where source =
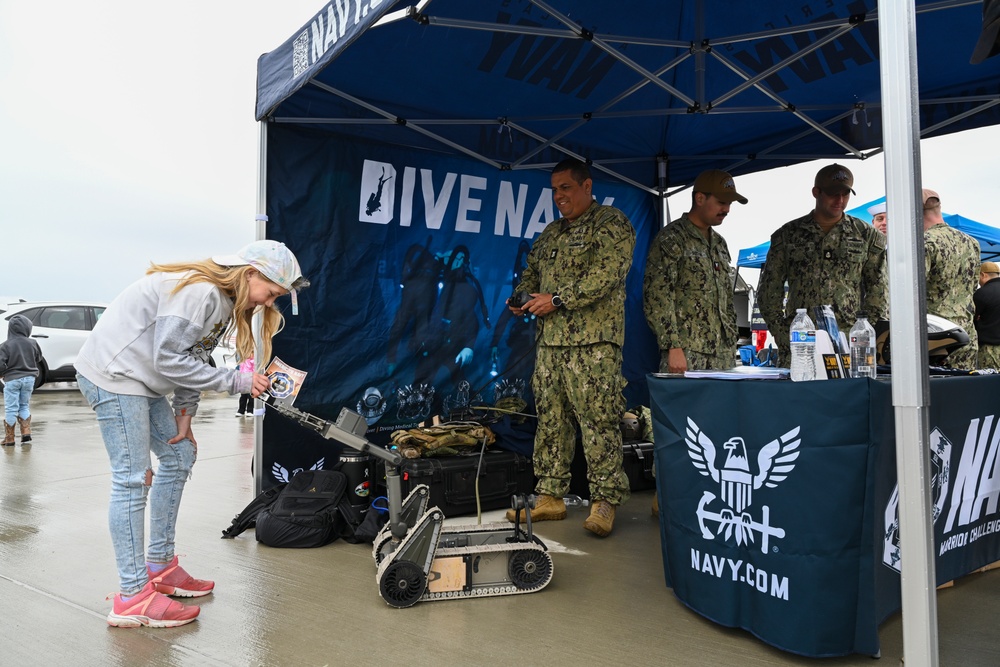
[(412, 255)]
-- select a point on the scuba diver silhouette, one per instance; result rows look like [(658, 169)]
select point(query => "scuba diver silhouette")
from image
[(375, 199)]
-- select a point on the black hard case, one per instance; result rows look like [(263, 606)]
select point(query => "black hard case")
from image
[(637, 459), (452, 480)]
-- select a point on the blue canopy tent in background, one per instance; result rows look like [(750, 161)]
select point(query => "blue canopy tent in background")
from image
[(406, 146), (988, 237), (753, 258)]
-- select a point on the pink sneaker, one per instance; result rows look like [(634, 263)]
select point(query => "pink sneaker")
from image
[(173, 580), (150, 608)]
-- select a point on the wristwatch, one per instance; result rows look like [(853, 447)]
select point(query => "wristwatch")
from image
[(557, 301)]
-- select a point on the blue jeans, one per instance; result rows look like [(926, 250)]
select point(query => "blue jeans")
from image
[(132, 427), (17, 397)]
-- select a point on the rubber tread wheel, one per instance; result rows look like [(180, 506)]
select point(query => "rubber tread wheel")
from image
[(403, 584), (529, 568)]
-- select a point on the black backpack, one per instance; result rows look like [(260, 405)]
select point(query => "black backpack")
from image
[(311, 510)]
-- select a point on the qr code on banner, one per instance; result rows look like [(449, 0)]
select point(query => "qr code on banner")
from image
[(300, 54)]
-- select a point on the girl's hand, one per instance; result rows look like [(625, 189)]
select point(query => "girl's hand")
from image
[(183, 431), (261, 383)]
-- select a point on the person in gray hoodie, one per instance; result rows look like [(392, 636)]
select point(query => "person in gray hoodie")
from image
[(20, 358), (154, 341)]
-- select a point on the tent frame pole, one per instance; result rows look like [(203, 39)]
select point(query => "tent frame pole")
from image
[(907, 327), (257, 324)]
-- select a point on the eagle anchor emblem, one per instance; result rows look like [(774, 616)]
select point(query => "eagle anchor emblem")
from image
[(737, 484)]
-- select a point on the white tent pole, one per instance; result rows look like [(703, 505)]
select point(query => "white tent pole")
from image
[(908, 327), (258, 321)]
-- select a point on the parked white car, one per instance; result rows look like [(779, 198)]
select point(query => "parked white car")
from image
[(60, 329)]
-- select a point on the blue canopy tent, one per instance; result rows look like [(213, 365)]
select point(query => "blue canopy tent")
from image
[(988, 237), (754, 257), (400, 136), (651, 95)]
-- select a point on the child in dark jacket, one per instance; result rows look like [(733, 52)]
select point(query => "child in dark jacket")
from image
[(20, 358)]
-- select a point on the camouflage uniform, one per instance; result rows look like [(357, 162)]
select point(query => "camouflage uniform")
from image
[(844, 268), (951, 260), (688, 296), (577, 376)]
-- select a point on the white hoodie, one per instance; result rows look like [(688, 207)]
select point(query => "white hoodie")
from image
[(152, 342)]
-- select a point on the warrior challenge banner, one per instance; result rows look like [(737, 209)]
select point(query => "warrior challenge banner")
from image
[(411, 255), (965, 487)]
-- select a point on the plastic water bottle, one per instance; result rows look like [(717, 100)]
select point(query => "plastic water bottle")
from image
[(803, 340), (862, 348)]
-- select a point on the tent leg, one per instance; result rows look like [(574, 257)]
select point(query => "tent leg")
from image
[(258, 320), (910, 384)]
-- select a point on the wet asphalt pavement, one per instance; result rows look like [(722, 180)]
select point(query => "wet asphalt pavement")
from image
[(606, 605)]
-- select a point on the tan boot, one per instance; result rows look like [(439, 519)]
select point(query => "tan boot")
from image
[(601, 519), (547, 508), (656, 505), (25, 425), (8, 434)]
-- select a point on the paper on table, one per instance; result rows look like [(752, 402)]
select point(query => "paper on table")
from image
[(738, 373)]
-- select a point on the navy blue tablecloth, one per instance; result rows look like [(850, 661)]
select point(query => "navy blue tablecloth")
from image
[(778, 509)]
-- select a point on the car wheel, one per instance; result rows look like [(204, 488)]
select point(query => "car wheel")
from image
[(43, 371)]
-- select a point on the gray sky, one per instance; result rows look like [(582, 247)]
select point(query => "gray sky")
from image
[(127, 135)]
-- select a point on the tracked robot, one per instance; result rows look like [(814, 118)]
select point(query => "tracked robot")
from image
[(416, 556)]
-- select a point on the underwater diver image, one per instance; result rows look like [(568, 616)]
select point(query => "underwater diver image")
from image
[(418, 285), (453, 326)]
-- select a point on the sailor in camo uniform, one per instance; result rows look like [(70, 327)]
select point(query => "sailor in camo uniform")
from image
[(688, 290), (826, 257), (576, 275), (951, 261)]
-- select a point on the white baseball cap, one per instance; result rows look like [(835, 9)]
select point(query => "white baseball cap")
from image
[(275, 262)]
